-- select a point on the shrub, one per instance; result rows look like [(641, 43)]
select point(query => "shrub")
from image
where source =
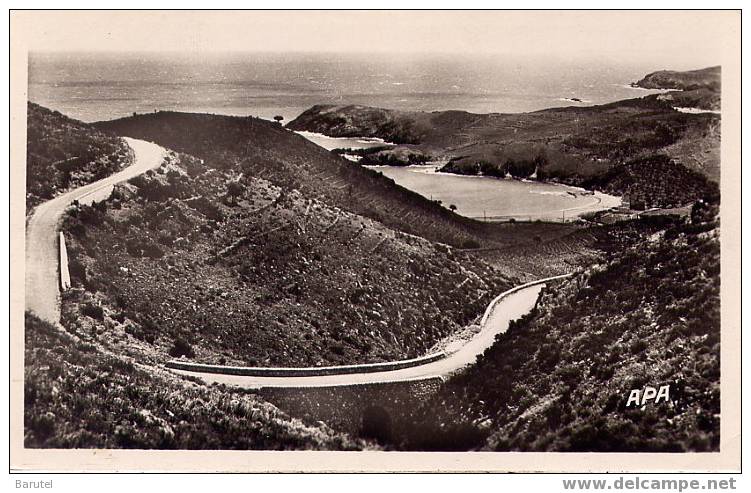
[(133, 247), (206, 207), (461, 436), (152, 250), (93, 216), (181, 348), (143, 247), (166, 238), (144, 333), (638, 346), (234, 190), (77, 272), (376, 424), (93, 311), (151, 189)]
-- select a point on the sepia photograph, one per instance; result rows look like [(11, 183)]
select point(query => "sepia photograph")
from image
[(376, 232)]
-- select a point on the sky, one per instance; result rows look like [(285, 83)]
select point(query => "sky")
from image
[(675, 39)]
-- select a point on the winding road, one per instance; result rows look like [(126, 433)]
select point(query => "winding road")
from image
[(506, 307), (42, 277), (43, 295)]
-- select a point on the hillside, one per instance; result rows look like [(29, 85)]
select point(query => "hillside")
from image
[(221, 266), (63, 154), (399, 127), (656, 181), (571, 145), (647, 315), (267, 150), (76, 396)]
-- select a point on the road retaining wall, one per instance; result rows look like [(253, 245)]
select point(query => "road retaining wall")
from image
[(304, 372), (344, 369), (373, 410)]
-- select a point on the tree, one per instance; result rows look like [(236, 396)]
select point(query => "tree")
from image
[(452, 207), (279, 119)]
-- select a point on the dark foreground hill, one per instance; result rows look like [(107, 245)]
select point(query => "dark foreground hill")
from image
[(76, 396), (572, 145), (560, 378), (62, 153)]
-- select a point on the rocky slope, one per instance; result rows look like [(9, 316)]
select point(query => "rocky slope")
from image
[(213, 262), (270, 279)]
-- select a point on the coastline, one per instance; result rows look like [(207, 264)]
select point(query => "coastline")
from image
[(433, 168), (695, 111), (600, 202), (346, 142)]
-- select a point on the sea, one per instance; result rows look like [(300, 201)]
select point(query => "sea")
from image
[(103, 86)]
